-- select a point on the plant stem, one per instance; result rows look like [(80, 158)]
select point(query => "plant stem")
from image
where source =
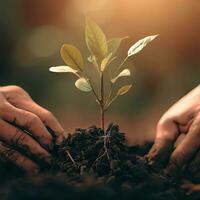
[(71, 158), (111, 101), (102, 118), (93, 91), (120, 66), (102, 109), (102, 103)]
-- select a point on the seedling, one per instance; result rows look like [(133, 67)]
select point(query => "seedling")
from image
[(96, 76)]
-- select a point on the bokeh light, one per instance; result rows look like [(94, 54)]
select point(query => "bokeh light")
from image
[(45, 41)]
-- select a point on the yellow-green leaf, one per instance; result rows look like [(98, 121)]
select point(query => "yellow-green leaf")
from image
[(95, 40), (72, 57), (123, 90), (105, 62), (83, 85), (113, 44)]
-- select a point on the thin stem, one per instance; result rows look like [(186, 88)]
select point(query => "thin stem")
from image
[(95, 94), (122, 63), (102, 117), (105, 146), (71, 158), (108, 105), (102, 103), (110, 93), (78, 75), (93, 91), (95, 63)]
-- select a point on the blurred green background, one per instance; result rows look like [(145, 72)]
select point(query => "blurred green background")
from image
[(32, 32)]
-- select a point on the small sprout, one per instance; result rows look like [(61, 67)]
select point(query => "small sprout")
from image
[(96, 76)]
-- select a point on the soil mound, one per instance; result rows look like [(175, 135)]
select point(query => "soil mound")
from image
[(92, 165)]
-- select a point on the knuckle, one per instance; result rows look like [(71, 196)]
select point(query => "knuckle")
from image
[(167, 128), (12, 155), (15, 88), (47, 114), (19, 137), (31, 119), (163, 121), (4, 107)]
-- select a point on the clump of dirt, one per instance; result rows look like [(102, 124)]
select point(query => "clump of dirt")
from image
[(91, 164)]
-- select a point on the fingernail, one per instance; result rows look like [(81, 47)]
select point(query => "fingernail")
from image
[(48, 159), (59, 139), (33, 171)]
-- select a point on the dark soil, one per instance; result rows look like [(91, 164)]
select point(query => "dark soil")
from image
[(85, 168)]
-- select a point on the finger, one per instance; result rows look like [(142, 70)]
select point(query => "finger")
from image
[(46, 117), (187, 148), (191, 188), (14, 136), (179, 140), (166, 135), (188, 187), (18, 159), (184, 128), (193, 166), (29, 122)]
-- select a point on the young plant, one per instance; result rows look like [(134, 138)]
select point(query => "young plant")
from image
[(97, 76)]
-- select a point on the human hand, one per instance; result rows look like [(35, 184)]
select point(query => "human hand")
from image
[(190, 187), (23, 125), (182, 117)]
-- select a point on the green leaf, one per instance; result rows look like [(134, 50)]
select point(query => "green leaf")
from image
[(62, 69), (72, 57), (83, 85), (123, 90), (138, 46), (105, 62), (125, 72), (114, 43), (95, 40)]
